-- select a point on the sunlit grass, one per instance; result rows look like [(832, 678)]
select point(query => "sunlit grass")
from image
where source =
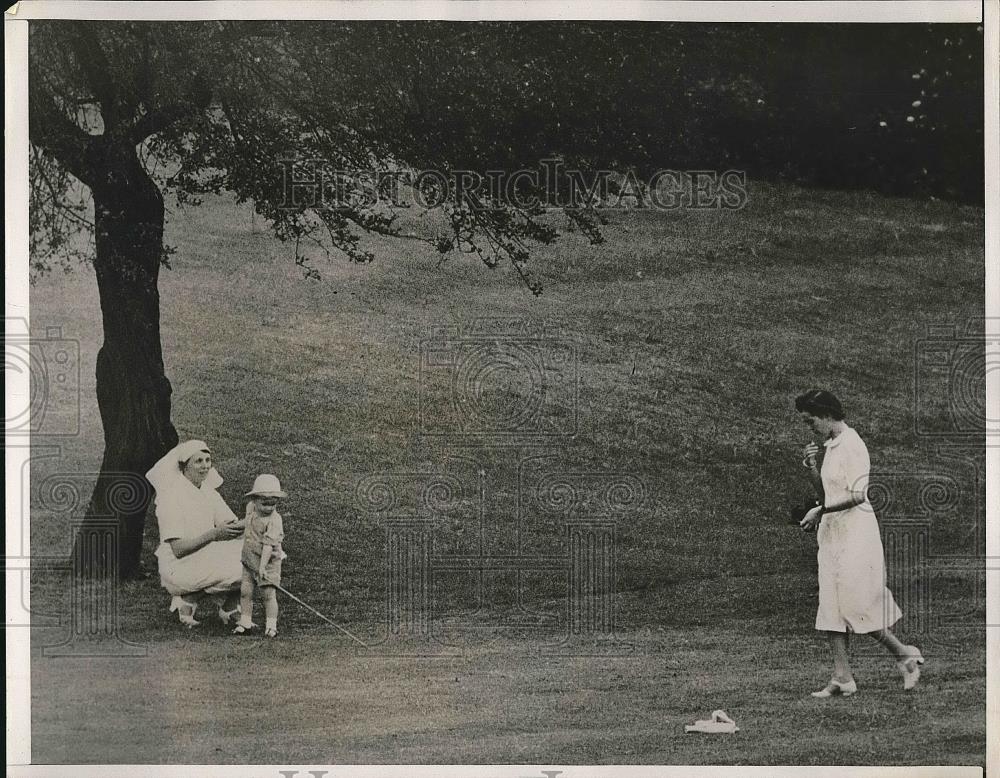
[(694, 331)]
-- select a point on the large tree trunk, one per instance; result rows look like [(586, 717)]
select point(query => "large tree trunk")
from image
[(133, 393)]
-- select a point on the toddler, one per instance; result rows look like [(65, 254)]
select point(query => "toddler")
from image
[(262, 554)]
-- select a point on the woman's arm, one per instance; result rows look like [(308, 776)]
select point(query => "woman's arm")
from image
[(817, 481), (184, 546), (813, 517), (854, 500), (856, 468), (811, 462)]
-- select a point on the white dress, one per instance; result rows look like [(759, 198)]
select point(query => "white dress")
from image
[(186, 511), (852, 591)]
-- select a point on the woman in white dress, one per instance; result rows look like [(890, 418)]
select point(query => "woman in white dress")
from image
[(852, 593), (200, 537)]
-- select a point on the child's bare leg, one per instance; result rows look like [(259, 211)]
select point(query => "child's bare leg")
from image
[(270, 607), (246, 599)]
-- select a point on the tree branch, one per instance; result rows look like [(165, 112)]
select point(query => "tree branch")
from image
[(57, 199), (155, 121), (93, 63), (50, 129)]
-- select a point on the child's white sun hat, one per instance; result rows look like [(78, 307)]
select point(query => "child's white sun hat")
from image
[(266, 485)]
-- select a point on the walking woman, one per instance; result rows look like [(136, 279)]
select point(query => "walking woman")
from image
[(852, 593)]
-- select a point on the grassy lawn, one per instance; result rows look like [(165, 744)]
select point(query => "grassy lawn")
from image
[(693, 332)]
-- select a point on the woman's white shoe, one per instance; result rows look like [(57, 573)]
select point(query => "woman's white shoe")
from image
[(185, 611), (910, 667), (226, 617), (836, 687)]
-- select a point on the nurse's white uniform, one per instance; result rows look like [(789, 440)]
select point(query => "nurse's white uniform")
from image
[(212, 568), (852, 592), (184, 510)]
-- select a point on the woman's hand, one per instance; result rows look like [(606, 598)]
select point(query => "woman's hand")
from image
[(184, 546), (229, 531), (812, 519), (809, 454)]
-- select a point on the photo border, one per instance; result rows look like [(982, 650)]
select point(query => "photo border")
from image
[(16, 304)]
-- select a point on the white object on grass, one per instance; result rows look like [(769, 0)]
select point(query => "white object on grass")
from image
[(719, 723)]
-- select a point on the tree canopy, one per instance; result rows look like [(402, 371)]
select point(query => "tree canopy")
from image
[(122, 114)]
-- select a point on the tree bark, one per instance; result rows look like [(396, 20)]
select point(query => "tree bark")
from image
[(133, 393)]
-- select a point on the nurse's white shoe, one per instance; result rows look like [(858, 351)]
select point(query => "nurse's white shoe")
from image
[(910, 667), (185, 611), (835, 687), (226, 617)]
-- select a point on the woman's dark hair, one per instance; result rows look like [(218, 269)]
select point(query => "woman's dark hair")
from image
[(820, 403)]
